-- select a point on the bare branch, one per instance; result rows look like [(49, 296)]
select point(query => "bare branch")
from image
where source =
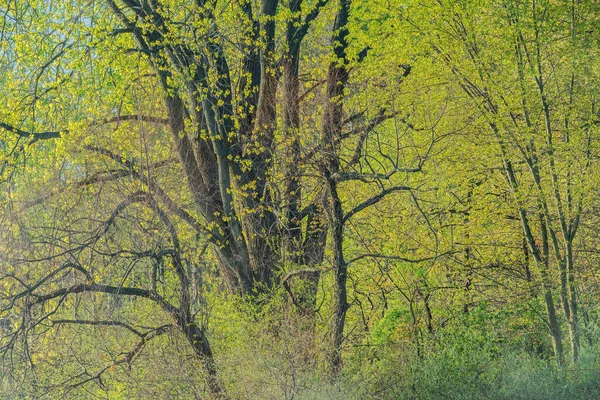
[(374, 200), (132, 117), (397, 258), (118, 290), (370, 177), (34, 136), (98, 323)]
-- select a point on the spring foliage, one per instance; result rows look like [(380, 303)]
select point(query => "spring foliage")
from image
[(299, 199)]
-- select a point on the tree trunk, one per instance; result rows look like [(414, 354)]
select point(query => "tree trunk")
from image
[(201, 346), (542, 261), (337, 78), (573, 317), (553, 325), (340, 270)]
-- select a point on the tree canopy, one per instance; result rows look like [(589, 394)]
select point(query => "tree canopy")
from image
[(299, 199)]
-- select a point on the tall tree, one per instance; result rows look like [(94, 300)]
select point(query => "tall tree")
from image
[(537, 105), (177, 74)]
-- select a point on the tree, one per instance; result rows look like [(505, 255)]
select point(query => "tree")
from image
[(202, 78), (537, 105)]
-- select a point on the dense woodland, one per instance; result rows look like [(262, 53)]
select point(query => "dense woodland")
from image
[(299, 199)]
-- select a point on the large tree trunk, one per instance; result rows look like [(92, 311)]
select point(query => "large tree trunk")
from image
[(291, 125), (310, 251), (260, 224)]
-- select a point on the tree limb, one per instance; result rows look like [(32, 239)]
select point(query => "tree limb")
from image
[(375, 199)]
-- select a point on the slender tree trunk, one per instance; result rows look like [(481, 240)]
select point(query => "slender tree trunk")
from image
[(564, 296), (553, 324), (573, 317), (332, 126), (540, 256), (340, 270), (202, 348)]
